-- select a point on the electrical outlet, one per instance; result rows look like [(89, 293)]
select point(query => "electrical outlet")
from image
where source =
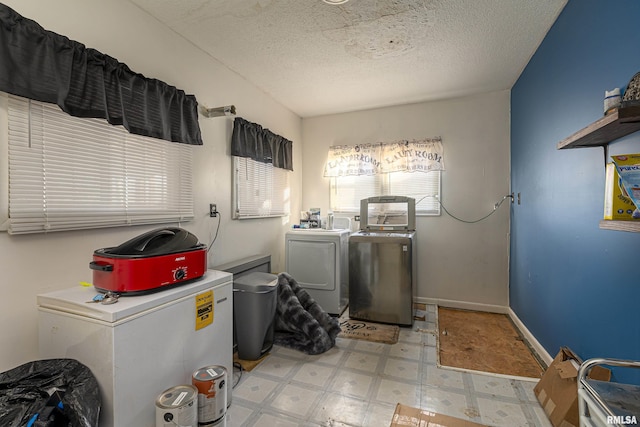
[(213, 210)]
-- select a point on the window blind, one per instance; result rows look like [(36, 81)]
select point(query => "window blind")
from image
[(424, 187), (260, 189), (347, 191), (69, 173)]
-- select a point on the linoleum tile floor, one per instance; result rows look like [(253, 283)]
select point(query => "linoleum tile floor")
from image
[(359, 383)]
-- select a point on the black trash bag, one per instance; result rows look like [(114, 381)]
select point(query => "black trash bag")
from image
[(51, 393)]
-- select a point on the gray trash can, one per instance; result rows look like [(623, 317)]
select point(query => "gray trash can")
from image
[(254, 309)]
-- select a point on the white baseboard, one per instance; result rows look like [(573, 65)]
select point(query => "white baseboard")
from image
[(533, 342), (491, 308)]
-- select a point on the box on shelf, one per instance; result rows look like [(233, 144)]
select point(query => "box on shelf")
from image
[(557, 390), (617, 206)]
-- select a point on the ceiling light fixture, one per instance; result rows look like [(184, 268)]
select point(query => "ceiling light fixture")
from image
[(335, 2)]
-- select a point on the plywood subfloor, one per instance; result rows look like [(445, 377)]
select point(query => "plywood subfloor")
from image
[(248, 365), (486, 342)]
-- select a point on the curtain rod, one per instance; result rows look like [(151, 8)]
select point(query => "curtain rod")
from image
[(227, 110)]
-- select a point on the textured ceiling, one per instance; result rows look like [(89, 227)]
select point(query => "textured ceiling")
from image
[(317, 59)]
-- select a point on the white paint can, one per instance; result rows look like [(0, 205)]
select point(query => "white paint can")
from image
[(211, 382), (177, 406)]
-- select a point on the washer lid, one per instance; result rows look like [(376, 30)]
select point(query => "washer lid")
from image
[(388, 213)]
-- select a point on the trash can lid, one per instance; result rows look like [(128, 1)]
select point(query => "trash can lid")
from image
[(256, 282)]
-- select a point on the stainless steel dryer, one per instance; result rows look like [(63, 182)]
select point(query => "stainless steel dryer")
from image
[(382, 261)]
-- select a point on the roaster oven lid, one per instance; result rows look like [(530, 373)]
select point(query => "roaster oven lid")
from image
[(160, 241)]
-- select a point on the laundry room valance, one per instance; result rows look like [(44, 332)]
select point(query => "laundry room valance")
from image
[(253, 141), (422, 155), (44, 66)]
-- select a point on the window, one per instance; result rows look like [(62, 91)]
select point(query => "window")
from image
[(409, 168), (347, 191), (260, 189), (69, 173)]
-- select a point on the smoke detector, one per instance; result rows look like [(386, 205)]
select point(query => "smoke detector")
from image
[(335, 2)]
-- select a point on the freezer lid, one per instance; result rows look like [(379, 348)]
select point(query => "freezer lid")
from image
[(74, 300)]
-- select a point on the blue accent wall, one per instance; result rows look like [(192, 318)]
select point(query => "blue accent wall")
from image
[(572, 283)]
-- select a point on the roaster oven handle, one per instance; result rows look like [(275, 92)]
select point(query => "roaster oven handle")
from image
[(100, 267)]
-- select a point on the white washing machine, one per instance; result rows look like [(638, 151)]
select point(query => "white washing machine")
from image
[(318, 260)]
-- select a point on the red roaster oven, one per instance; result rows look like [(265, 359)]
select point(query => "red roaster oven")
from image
[(152, 261)]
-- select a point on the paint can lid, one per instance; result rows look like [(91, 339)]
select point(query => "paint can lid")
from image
[(209, 373), (177, 396)]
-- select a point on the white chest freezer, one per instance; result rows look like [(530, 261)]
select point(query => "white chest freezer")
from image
[(142, 345)]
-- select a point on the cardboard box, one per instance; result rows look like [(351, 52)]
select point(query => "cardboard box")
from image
[(407, 416), (557, 390), (617, 206)]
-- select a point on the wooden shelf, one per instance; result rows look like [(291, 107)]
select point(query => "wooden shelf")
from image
[(619, 123), (620, 225)]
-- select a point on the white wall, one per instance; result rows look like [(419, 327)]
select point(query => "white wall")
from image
[(458, 263), (40, 263)]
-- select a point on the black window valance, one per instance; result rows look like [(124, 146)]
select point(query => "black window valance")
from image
[(48, 67), (262, 145)]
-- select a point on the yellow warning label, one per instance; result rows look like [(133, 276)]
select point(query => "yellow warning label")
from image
[(204, 309)]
